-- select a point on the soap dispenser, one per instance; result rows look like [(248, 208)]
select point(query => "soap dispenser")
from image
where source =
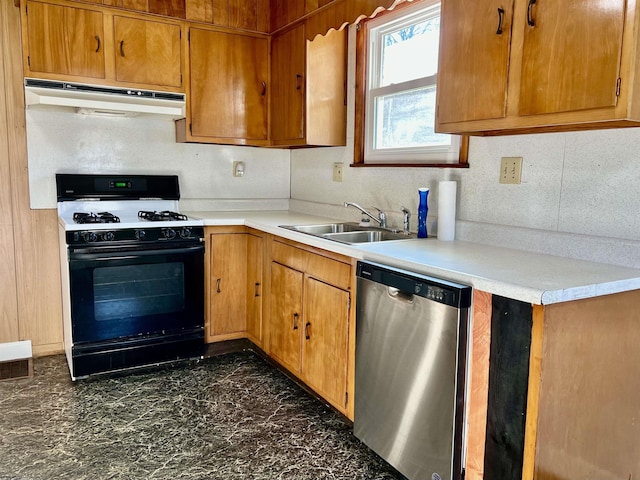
[(423, 208)]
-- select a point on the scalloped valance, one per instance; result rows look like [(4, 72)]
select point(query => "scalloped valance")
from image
[(340, 13)]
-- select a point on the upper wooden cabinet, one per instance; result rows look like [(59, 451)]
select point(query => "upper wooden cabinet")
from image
[(147, 52), (92, 45), (525, 66), (308, 92), (228, 89), (64, 40)]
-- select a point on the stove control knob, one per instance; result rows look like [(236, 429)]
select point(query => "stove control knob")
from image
[(108, 236), (89, 236), (169, 233), (140, 234), (185, 232)]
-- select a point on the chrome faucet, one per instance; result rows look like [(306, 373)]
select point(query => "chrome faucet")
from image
[(405, 223), (381, 219)]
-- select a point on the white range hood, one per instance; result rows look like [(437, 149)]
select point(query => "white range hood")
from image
[(107, 101)]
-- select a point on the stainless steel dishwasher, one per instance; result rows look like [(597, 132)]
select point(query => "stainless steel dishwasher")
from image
[(411, 355)]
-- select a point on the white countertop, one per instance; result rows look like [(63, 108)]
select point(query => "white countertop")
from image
[(525, 276)]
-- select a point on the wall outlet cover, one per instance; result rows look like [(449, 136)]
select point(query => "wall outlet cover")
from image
[(338, 169)]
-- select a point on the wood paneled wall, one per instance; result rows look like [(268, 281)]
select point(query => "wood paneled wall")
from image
[(36, 271), (8, 296)]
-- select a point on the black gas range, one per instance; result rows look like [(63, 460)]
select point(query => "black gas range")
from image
[(133, 272)]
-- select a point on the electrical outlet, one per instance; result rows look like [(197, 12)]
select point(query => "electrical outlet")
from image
[(337, 171), (511, 170)]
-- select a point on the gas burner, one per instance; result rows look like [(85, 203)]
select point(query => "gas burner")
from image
[(101, 217), (163, 216)]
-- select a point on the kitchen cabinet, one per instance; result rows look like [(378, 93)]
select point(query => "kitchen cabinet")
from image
[(308, 92), (228, 91), (550, 388), (148, 52), (64, 40), (92, 44), (309, 323), (526, 66), (234, 284)]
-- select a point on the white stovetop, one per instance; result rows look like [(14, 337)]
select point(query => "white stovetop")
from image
[(127, 211), (525, 276)]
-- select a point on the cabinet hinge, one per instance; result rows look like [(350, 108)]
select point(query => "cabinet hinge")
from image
[(349, 303), (346, 399), (26, 10), (618, 86), (191, 128), (28, 60), (189, 36)]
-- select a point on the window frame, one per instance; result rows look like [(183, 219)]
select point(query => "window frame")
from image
[(363, 38)]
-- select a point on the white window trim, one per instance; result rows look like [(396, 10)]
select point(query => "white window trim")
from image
[(417, 155)]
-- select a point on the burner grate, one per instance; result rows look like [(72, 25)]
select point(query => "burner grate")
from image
[(101, 217), (165, 215)]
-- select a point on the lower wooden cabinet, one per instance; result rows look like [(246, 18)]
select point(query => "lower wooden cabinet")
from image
[(234, 284), (553, 389), (309, 321)]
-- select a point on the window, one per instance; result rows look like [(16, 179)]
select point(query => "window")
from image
[(399, 50)]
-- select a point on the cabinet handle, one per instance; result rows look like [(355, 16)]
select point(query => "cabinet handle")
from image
[(218, 285), (264, 89), (97, 40), (298, 82), (295, 321), (122, 48), (257, 291), (306, 331), (530, 19), (500, 18)]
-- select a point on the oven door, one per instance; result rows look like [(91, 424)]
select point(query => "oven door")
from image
[(135, 291)]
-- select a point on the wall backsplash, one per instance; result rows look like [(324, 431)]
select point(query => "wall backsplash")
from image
[(63, 141)]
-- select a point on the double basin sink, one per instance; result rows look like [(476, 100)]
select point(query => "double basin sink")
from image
[(350, 232)]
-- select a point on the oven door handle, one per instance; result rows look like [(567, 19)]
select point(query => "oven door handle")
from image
[(73, 256)]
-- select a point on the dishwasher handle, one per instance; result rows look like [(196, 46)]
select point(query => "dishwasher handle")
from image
[(435, 289)]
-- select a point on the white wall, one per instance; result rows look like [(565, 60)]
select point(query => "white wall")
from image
[(65, 142), (579, 195)]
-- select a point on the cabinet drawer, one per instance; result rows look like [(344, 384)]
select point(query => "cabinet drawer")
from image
[(322, 268)]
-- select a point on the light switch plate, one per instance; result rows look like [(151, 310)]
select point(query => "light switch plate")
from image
[(511, 170), (338, 168)]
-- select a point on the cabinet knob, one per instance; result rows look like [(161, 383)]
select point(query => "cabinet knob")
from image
[(500, 19), (530, 19), (298, 82), (97, 40), (122, 48), (218, 285), (264, 89), (295, 321), (307, 334), (257, 290)]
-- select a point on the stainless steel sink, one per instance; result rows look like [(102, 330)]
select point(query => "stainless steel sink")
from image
[(324, 228), (349, 232)]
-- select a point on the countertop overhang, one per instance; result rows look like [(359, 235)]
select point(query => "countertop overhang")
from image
[(529, 277)]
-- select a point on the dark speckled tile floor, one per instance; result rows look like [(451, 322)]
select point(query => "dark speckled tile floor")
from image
[(227, 417)]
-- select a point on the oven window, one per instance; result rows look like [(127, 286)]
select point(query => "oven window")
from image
[(138, 290)]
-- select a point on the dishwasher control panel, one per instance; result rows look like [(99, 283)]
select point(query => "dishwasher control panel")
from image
[(435, 289)]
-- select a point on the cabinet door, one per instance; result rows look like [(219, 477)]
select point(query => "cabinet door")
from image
[(228, 284), (325, 341), (288, 85), (571, 56), (473, 60), (285, 319), (254, 288), (65, 40), (228, 85), (147, 52)]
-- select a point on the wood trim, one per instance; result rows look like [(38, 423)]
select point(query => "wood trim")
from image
[(362, 43), (533, 395), (479, 387)]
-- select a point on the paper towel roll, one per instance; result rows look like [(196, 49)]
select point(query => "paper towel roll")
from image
[(447, 210)]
